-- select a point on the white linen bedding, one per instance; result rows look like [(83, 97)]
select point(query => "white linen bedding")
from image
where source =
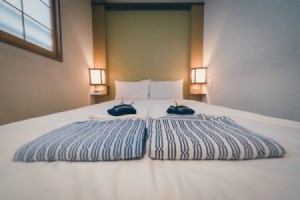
[(277, 178)]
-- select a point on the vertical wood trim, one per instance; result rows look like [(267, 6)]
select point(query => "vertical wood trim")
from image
[(197, 21), (196, 45), (99, 36), (99, 40)]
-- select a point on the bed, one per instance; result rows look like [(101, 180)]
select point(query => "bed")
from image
[(273, 178)]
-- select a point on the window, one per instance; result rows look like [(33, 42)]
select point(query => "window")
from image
[(33, 25)]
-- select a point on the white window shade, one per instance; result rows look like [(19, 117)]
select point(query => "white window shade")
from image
[(15, 3), (37, 34), (39, 11), (10, 20), (47, 2)]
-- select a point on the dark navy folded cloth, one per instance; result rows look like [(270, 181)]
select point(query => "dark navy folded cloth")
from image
[(123, 109), (180, 110)]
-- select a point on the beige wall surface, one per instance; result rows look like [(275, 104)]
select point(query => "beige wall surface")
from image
[(148, 45), (32, 85)]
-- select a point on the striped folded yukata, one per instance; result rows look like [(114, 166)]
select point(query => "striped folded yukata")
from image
[(201, 137), (111, 140)]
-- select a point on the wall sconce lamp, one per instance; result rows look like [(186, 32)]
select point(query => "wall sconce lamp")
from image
[(98, 77), (198, 78), (199, 75)]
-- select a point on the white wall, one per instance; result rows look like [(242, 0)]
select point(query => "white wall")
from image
[(32, 85), (252, 49)]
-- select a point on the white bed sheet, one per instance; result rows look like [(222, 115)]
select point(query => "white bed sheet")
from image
[(277, 178)]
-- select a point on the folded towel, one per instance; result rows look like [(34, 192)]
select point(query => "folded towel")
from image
[(180, 110), (123, 109)]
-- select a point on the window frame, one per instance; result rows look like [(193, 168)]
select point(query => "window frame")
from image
[(56, 53)]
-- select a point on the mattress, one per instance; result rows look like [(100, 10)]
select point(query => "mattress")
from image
[(274, 178)]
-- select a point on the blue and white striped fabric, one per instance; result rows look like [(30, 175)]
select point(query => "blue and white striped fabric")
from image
[(203, 137), (110, 140)]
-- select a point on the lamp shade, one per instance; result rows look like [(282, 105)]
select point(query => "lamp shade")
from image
[(97, 77), (198, 75)]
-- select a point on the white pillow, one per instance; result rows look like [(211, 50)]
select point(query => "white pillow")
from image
[(166, 89), (132, 90)]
